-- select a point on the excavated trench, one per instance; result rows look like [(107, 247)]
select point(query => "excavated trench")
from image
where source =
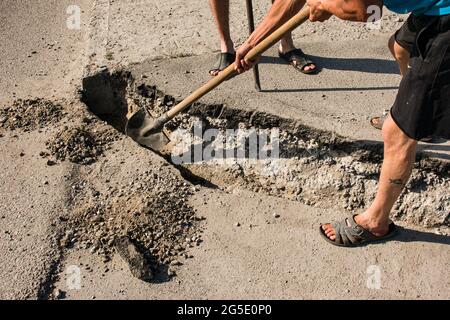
[(317, 168)]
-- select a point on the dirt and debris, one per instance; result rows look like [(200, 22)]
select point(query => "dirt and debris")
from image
[(134, 259), (149, 208), (81, 145), (314, 167), (145, 217), (30, 114), (234, 263)]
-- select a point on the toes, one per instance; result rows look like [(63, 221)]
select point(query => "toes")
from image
[(310, 67), (332, 235), (329, 231), (376, 121)]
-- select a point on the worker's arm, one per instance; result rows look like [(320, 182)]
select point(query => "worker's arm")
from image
[(352, 10), (280, 12)]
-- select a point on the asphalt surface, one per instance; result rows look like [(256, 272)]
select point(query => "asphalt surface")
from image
[(174, 44)]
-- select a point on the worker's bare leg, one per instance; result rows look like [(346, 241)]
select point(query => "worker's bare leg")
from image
[(400, 54), (399, 156), (221, 12), (287, 44)]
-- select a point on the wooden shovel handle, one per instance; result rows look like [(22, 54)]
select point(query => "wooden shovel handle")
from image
[(253, 54)]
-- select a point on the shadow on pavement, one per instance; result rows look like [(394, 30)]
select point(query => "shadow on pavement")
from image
[(328, 89), (369, 65), (410, 235), (343, 64)]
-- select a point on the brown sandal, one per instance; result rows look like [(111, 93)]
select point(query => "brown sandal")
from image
[(297, 58)]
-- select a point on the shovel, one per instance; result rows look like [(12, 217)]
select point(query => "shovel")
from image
[(148, 131)]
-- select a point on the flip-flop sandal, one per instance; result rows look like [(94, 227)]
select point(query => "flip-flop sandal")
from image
[(298, 60), (350, 234), (224, 59)]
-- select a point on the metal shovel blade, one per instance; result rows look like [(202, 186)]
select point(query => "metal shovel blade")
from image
[(137, 129)]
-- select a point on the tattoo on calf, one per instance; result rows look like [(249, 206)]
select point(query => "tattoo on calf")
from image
[(397, 182)]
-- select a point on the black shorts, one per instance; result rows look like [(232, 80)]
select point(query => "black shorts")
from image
[(406, 35), (422, 106)]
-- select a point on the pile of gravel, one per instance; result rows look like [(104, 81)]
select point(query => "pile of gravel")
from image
[(30, 114), (80, 145), (150, 209)]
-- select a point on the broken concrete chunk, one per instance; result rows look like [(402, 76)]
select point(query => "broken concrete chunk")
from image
[(135, 260)]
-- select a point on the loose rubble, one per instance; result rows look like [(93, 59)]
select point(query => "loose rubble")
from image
[(80, 144), (135, 260), (146, 219), (315, 167), (149, 209), (30, 115)]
